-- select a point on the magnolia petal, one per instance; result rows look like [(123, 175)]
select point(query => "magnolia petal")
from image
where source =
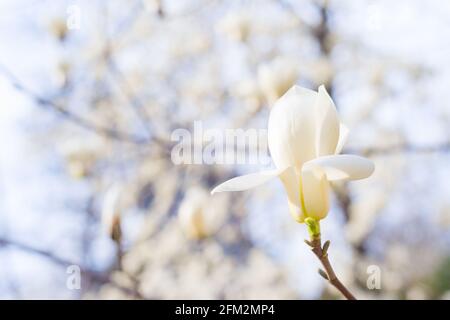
[(315, 192), (327, 124), (343, 135), (291, 129), (343, 167), (247, 181), (291, 183)]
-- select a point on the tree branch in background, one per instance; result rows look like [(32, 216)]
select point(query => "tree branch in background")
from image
[(402, 148), (67, 115), (95, 276)]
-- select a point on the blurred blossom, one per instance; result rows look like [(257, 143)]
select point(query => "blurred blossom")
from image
[(276, 77), (203, 86), (111, 211), (58, 28), (198, 39), (364, 211), (61, 76), (80, 157), (235, 25), (249, 91), (321, 71), (199, 217)]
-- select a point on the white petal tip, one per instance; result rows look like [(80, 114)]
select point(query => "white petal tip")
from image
[(215, 190), (247, 181), (367, 171), (323, 90), (344, 167)]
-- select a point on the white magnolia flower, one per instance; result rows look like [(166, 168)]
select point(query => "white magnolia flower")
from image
[(305, 138)]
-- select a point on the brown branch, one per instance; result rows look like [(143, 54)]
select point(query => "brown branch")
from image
[(98, 277), (133, 101), (66, 114), (401, 148), (49, 255), (329, 274)]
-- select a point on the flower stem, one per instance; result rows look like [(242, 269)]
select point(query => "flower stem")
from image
[(321, 253)]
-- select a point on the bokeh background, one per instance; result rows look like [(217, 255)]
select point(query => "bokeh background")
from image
[(90, 92)]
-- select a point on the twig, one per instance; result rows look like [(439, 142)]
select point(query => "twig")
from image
[(49, 255), (321, 253)]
